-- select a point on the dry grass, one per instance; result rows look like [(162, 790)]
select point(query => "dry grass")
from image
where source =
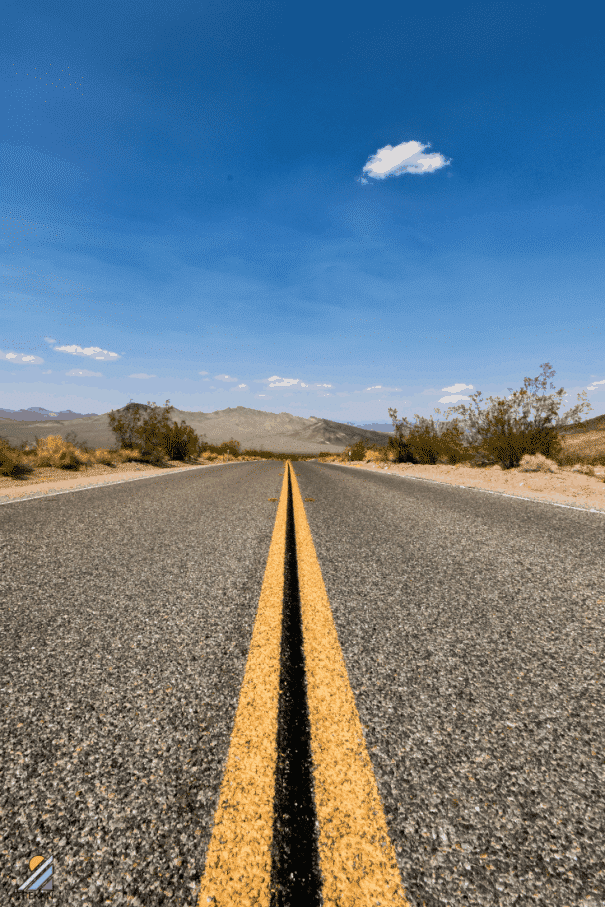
[(54, 457)]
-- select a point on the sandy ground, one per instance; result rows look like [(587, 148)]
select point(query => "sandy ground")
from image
[(563, 487)]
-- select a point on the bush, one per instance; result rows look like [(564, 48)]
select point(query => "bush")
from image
[(425, 444), (497, 435), (358, 451), (59, 453), (180, 442), (10, 465), (157, 437)]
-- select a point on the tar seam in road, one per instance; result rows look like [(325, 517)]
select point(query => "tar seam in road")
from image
[(295, 873)]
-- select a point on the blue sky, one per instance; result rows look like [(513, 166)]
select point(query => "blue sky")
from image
[(322, 209)]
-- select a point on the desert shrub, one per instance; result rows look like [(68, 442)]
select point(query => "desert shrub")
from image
[(231, 447), (357, 451), (181, 442), (156, 437), (506, 435), (126, 426), (107, 456), (499, 434), (11, 464), (425, 444), (59, 453)]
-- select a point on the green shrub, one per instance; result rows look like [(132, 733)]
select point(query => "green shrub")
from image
[(156, 437), (424, 444), (358, 451), (181, 442), (496, 435), (502, 435)]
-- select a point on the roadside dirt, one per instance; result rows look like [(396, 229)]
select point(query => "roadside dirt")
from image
[(47, 478), (562, 487)]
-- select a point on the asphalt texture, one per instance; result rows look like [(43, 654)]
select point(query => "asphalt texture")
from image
[(472, 628)]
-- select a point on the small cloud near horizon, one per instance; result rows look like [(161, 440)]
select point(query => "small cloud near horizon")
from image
[(21, 358), (407, 157), (90, 352), (83, 373), (142, 375)]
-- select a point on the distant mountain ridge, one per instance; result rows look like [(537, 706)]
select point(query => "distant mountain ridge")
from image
[(37, 413), (253, 428)]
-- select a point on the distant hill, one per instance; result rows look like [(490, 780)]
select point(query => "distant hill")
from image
[(254, 429), (37, 413), (374, 426)]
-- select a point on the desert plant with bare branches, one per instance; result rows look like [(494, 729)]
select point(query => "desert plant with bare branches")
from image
[(503, 434), (499, 434)]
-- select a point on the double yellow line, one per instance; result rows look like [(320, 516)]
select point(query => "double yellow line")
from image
[(356, 856)]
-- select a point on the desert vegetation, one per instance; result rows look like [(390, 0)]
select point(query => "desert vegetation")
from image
[(503, 434), (155, 440)]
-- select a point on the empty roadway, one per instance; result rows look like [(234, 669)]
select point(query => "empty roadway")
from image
[(471, 627)]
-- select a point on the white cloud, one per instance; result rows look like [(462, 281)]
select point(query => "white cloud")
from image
[(456, 388), (50, 340), (83, 373), (276, 381), (204, 373), (21, 358), (593, 386), (454, 393), (404, 158), (142, 375), (90, 352), (224, 378)]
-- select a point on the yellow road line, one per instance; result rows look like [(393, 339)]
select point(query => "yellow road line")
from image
[(238, 862), (356, 855)]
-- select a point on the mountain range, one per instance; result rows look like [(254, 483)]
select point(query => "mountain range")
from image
[(256, 429), (253, 428)]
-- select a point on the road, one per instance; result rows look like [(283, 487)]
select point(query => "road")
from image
[(446, 747)]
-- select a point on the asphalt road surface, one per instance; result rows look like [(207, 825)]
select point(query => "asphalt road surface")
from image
[(152, 630)]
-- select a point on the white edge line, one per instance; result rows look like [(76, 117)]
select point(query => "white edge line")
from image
[(517, 497), (152, 475)]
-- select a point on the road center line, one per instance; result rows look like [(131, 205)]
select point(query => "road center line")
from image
[(238, 861), (357, 858), (295, 875)]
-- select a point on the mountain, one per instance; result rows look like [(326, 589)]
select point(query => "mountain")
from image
[(374, 426), (253, 428), (38, 413)]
